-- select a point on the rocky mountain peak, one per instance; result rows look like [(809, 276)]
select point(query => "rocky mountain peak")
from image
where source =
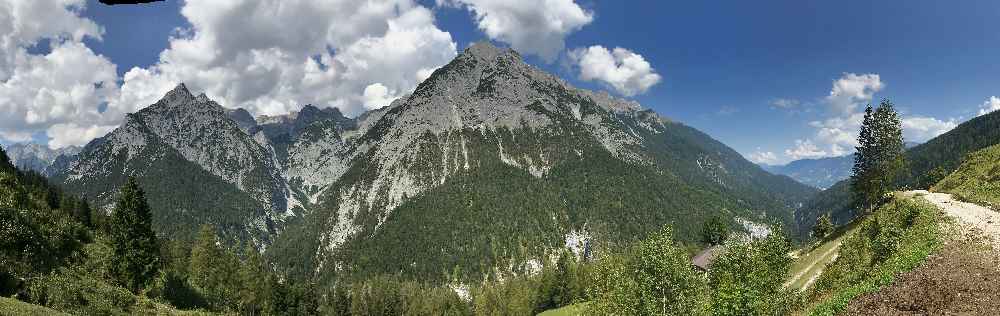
[(179, 95), (483, 50)]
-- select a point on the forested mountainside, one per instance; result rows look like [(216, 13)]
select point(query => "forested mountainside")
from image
[(946, 152), (490, 165), (820, 173), (493, 166), (37, 157)]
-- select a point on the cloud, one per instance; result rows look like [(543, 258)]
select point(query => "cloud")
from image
[(537, 27), (71, 134), (267, 56), (763, 157), (626, 72), (785, 104), (836, 135), (271, 56), (920, 129), (990, 105), (66, 85), (805, 149), (850, 90)]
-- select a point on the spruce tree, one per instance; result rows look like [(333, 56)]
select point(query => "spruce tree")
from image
[(879, 159), (136, 253)]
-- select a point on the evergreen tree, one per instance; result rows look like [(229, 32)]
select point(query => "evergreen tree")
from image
[(136, 253), (879, 159), (823, 227)]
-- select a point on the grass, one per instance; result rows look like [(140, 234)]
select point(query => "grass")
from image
[(10, 306), (571, 310), (812, 261), (894, 239), (977, 180)]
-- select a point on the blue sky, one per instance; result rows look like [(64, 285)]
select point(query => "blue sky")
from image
[(721, 65)]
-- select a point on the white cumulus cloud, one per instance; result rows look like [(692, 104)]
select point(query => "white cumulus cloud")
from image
[(65, 85), (836, 135), (852, 90), (805, 149), (921, 128), (626, 72), (271, 56), (537, 27), (268, 56), (990, 105)]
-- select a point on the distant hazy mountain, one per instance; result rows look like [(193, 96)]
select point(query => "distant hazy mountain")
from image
[(35, 156), (820, 173), (489, 164)]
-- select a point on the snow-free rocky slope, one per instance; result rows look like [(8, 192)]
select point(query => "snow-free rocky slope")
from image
[(489, 165)]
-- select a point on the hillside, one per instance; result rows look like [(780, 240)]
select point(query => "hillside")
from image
[(977, 180), (945, 151)]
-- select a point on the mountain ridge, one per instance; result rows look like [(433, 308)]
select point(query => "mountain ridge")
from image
[(323, 193)]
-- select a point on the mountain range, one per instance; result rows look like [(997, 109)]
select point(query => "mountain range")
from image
[(37, 157), (490, 165), (820, 172)]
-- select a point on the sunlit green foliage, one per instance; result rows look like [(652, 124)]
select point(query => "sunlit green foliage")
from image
[(977, 180)]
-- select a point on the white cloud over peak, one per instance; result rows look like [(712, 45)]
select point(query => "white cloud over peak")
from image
[(990, 105), (626, 72), (537, 27), (65, 85), (268, 56), (271, 56)]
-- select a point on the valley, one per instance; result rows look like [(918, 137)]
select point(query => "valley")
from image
[(499, 158)]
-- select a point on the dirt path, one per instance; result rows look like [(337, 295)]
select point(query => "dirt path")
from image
[(985, 220)]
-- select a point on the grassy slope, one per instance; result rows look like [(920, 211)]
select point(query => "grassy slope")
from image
[(813, 261), (571, 310), (10, 306), (977, 180), (908, 224)]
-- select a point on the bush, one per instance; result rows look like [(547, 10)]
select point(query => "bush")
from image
[(654, 277), (76, 292), (747, 278)]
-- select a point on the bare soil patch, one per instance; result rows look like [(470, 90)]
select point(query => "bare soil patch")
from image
[(963, 278)]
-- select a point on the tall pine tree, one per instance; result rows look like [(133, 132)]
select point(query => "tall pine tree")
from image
[(136, 253), (879, 159)]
